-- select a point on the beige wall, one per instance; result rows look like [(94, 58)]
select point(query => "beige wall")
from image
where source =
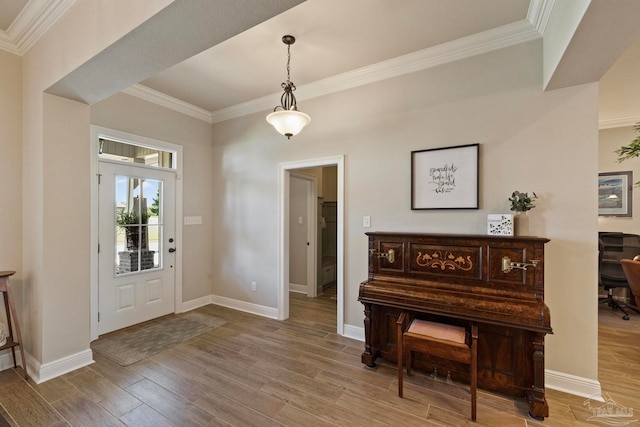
[(530, 141), (330, 183), (10, 171), (45, 63), (129, 114), (611, 140), (66, 228)]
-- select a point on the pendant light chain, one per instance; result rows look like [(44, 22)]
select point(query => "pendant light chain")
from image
[(288, 99), (288, 62)]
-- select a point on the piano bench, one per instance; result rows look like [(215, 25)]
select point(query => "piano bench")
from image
[(439, 340)]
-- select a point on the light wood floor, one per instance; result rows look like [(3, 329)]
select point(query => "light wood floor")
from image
[(262, 372)]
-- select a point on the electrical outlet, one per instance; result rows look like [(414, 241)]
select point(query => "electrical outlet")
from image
[(254, 287)]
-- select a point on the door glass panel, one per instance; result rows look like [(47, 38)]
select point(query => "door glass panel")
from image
[(130, 153), (138, 225)]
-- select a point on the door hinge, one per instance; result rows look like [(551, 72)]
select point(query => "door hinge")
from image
[(98, 247), (99, 175), (98, 316)]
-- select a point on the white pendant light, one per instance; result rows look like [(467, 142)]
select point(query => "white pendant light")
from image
[(286, 118)]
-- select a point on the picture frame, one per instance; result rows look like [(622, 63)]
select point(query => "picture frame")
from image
[(615, 194), (445, 178)]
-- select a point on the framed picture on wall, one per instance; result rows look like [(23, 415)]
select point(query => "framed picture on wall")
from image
[(615, 193), (445, 178)]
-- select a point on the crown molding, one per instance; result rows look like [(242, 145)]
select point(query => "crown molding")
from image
[(618, 123), (6, 43), (466, 47), (164, 100), (32, 23), (539, 14)]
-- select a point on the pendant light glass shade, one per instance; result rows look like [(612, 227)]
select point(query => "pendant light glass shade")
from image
[(288, 122), (286, 118)]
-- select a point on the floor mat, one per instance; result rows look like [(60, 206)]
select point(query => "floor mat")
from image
[(129, 346)]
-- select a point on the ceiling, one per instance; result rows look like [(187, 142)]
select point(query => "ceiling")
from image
[(334, 37)]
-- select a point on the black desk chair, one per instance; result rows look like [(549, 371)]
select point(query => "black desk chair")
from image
[(612, 248)]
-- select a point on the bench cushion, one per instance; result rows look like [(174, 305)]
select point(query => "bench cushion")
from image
[(437, 330)]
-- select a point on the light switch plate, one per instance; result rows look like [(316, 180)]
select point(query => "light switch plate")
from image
[(366, 221), (191, 220)]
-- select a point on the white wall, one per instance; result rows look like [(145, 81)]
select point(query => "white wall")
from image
[(530, 141), (610, 141)]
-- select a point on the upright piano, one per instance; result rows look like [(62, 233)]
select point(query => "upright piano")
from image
[(495, 281)]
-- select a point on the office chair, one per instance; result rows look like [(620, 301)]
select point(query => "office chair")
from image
[(631, 270), (614, 247)]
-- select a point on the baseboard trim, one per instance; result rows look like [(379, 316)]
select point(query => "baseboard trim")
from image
[(40, 373), (247, 307), (6, 359), (195, 303), (353, 332), (301, 289), (567, 383)]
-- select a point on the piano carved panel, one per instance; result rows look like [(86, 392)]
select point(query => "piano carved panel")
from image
[(437, 261), (458, 279)]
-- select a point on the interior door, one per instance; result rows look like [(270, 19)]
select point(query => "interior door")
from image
[(136, 280)]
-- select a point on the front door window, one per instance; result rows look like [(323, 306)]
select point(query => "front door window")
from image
[(138, 227)]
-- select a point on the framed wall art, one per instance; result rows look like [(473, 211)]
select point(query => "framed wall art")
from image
[(445, 178), (615, 193)]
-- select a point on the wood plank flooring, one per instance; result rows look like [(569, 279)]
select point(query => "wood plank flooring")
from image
[(254, 371)]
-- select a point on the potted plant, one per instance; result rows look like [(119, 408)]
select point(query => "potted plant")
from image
[(130, 221), (521, 203), (630, 151)]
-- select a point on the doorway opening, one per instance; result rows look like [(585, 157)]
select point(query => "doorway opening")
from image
[(141, 176), (323, 249)]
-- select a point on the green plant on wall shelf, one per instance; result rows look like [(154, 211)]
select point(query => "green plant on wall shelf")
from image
[(630, 151), (522, 202)]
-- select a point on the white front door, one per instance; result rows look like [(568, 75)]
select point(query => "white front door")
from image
[(136, 279)]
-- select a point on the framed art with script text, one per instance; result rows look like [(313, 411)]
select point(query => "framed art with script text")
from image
[(445, 178)]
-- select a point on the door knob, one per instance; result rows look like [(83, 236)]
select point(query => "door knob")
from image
[(172, 250)]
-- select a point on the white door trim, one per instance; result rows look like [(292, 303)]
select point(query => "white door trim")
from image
[(97, 132), (284, 171), (312, 233)]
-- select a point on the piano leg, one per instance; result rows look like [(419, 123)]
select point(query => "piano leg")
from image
[(538, 407), (369, 356)]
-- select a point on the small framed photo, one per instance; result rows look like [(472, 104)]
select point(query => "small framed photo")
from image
[(615, 194), (500, 224), (445, 178)]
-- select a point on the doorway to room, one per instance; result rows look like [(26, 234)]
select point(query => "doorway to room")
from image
[(311, 237)]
